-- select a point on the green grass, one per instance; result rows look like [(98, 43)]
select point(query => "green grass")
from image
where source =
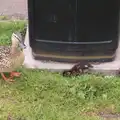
[(7, 28), (43, 95)]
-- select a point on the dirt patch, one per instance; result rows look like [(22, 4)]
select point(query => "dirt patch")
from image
[(107, 113)]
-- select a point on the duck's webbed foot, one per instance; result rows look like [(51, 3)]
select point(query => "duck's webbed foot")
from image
[(15, 74), (6, 79)]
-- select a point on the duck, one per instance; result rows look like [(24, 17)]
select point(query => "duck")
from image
[(12, 57), (78, 69)]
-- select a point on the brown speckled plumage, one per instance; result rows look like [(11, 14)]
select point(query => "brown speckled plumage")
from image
[(10, 57), (9, 61)]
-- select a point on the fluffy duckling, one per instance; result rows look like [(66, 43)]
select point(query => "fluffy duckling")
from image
[(78, 69)]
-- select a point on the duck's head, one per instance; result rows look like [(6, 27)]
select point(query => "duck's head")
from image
[(17, 40)]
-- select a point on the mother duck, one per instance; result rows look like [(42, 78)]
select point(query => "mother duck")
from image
[(12, 57)]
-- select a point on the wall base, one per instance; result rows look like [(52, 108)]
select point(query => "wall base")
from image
[(108, 68)]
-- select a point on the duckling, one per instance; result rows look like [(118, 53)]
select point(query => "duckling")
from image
[(79, 68), (11, 57)]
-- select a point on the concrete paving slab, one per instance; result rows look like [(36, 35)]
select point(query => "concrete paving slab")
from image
[(15, 8)]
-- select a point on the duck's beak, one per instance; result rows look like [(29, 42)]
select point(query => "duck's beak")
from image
[(22, 45)]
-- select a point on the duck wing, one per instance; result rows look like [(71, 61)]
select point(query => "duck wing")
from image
[(5, 51)]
